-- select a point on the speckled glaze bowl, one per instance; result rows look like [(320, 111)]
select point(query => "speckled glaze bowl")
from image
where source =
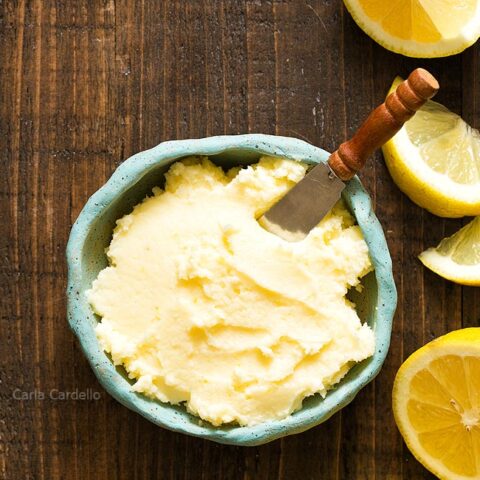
[(130, 183)]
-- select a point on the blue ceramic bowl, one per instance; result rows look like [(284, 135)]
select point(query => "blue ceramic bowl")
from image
[(130, 183)]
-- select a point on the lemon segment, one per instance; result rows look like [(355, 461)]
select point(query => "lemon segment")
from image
[(457, 258), (436, 404), (435, 160), (419, 28)]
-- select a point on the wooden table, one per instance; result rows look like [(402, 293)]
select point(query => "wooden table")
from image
[(85, 84)]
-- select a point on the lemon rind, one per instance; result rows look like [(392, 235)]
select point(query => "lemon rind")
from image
[(412, 160), (420, 183), (448, 46)]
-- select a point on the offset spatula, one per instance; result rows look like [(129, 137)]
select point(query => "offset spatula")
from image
[(294, 215)]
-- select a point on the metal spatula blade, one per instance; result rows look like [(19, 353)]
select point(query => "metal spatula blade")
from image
[(309, 201), (302, 207)]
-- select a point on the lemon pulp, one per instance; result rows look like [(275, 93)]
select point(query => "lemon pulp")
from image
[(419, 28), (435, 160), (446, 143), (436, 402), (457, 258)]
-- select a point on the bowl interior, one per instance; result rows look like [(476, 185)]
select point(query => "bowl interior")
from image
[(88, 246)]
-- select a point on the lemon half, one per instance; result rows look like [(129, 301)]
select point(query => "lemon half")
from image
[(419, 28), (457, 258), (436, 403), (435, 160)]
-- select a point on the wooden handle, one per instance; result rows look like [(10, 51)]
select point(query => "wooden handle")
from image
[(383, 123)]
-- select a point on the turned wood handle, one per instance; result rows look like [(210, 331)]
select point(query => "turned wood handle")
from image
[(383, 123)]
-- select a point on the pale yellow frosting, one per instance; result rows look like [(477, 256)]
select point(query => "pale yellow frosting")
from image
[(202, 305)]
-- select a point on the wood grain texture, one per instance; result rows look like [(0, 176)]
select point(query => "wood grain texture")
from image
[(85, 84)]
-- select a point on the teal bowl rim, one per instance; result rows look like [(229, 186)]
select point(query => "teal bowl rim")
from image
[(165, 415)]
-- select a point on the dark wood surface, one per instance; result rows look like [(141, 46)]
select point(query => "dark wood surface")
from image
[(83, 85)]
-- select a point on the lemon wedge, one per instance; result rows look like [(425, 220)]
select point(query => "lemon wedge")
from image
[(436, 403), (419, 28), (457, 258), (435, 160)]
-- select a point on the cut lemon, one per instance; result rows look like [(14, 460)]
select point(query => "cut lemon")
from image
[(457, 258), (419, 28), (435, 160), (436, 403)]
